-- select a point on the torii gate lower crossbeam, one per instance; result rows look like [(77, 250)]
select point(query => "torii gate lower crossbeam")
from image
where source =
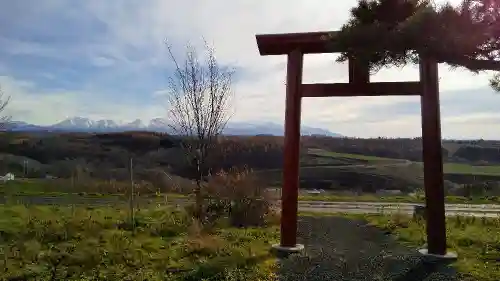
[(295, 46)]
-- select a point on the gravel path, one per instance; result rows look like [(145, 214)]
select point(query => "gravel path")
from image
[(345, 249)]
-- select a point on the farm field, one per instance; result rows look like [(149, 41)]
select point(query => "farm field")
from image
[(324, 153), (456, 168), (452, 168), (43, 187), (30, 193)]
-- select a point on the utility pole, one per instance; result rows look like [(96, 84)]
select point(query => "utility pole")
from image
[(132, 192), (25, 168)]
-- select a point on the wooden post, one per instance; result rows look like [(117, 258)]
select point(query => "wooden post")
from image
[(132, 194), (433, 157), (359, 73), (291, 150)]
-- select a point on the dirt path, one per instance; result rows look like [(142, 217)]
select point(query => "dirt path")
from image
[(343, 249)]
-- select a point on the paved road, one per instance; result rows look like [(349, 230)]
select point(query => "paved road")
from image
[(389, 205), (488, 210), (485, 210), (375, 210)]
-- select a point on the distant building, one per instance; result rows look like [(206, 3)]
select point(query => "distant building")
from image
[(7, 177)]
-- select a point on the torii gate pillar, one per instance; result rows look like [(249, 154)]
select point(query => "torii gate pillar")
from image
[(291, 149)]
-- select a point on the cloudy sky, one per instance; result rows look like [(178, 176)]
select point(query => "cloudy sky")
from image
[(107, 60)]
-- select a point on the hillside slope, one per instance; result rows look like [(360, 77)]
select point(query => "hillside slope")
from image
[(369, 164)]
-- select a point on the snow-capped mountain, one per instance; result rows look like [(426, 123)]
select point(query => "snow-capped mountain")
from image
[(269, 128), (158, 124), (137, 124), (76, 122), (82, 124), (105, 124)]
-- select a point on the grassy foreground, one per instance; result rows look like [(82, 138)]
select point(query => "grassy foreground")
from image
[(476, 240), (59, 243)]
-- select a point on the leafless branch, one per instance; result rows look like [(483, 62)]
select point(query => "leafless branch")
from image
[(199, 96), (4, 119)]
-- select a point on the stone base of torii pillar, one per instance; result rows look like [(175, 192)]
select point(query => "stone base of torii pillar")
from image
[(283, 252), (449, 256)]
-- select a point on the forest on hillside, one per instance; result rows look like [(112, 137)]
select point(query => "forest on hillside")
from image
[(108, 155)]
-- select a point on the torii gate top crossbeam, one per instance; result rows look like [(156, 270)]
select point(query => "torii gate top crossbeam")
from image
[(308, 43), (321, 42)]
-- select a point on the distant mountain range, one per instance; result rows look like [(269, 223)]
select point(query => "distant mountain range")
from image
[(82, 124)]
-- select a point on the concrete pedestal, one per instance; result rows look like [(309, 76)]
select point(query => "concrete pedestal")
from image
[(448, 257), (283, 252)]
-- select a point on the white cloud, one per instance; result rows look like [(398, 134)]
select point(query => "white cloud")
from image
[(231, 27), (31, 104), (102, 61), (475, 125)]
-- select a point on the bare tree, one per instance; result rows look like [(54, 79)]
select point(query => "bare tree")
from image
[(4, 119), (199, 95)]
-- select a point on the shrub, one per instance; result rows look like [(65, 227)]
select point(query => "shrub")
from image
[(238, 196)]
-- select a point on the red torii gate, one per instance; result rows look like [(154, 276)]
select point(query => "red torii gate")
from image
[(295, 45)]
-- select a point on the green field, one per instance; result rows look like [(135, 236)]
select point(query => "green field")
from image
[(38, 188), (56, 243), (475, 240), (42, 187), (321, 152), (452, 168), (457, 168)]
